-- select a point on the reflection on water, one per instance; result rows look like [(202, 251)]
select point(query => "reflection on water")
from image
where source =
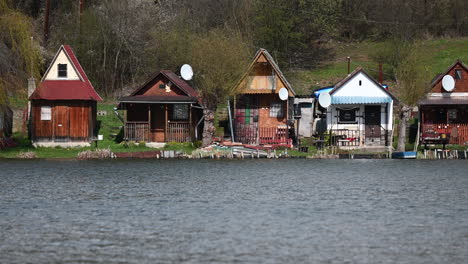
[(268, 211)]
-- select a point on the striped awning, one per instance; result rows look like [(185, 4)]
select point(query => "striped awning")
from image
[(360, 100)]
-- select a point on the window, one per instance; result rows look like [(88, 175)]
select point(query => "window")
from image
[(46, 113), (360, 83), (180, 112), (347, 116), (458, 74), (62, 70), (276, 109)]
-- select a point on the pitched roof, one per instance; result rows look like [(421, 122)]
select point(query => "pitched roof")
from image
[(352, 75), (273, 64), (172, 77), (81, 89), (441, 75)]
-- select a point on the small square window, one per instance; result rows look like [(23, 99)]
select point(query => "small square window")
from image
[(276, 109), (162, 86), (46, 113), (347, 116), (62, 70), (180, 112), (458, 74)]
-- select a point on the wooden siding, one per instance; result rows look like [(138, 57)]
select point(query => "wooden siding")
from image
[(70, 121), (152, 89), (461, 86)]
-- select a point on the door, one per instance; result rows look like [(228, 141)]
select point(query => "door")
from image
[(61, 122), (246, 127), (372, 121), (158, 123)]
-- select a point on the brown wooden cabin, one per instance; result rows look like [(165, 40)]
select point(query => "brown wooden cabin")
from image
[(164, 109), (63, 106), (260, 117), (443, 114)]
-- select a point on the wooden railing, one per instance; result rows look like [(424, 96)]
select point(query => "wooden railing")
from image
[(455, 133), (345, 137), (179, 132), (137, 131), (263, 135)]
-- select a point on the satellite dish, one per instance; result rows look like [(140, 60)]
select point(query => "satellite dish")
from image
[(448, 83), (283, 94), (324, 100), (186, 72)]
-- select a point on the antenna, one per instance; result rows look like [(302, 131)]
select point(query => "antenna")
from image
[(324, 99), (186, 72), (32, 62), (448, 83), (283, 94)]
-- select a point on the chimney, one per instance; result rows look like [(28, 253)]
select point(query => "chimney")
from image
[(31, 86), (380, 73)]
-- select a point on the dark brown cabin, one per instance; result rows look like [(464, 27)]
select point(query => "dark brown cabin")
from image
[(444, 114), (164, 109), (63, 106), (260, 116)]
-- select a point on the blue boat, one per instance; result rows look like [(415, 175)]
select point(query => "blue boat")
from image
[(404, 155)]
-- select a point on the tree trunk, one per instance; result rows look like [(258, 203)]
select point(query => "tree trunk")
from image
[(208, 129), (404, 115)]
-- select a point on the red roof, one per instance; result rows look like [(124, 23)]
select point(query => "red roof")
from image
[(67, 89)]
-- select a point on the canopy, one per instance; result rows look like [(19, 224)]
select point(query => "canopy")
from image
[(361, 99)]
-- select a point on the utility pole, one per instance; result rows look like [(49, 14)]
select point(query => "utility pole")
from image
[(82, 3)]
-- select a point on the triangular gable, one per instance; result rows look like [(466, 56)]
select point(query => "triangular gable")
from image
[(263, 55), (171, 77), (63, 56), (358, 84), (449, 69)]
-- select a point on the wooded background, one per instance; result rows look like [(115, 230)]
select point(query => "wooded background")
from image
[(120, 43)]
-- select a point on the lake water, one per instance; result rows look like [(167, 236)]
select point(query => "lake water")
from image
[(251, 211)]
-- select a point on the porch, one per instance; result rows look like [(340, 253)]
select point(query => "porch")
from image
[(252, 135), (444, 124), (160, 123), (359, 138)]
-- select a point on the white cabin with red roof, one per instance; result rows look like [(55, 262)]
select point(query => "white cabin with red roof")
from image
[(63, 106), (164, 109)]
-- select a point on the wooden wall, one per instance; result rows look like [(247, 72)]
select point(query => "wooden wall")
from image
[(262, 104), (152, 89), (70, 120), (461, 86)]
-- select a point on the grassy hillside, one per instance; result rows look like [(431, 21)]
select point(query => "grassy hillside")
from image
[(441, 54)]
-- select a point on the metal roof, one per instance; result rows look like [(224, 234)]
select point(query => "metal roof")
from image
[(453, 100), (360, 100)]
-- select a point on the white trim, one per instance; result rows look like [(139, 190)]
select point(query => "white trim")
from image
[(446, 94)]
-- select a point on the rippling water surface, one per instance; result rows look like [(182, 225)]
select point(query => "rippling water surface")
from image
[(267, 211)]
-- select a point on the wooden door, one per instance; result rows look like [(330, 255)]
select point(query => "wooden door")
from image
[(247, 116), (79, 114), (372, 121), (158, 123), (61, 122)]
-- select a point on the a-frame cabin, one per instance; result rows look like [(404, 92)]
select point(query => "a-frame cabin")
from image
[(63, 106), (261, 117)]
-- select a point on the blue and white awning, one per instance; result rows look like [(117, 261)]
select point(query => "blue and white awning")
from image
[(360, 99)]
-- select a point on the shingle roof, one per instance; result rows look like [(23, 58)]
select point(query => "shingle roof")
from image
[(66, 89)]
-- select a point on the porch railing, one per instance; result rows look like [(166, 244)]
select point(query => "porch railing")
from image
[(345, 137), (263, 135), (137, 131), (179, 132), (456, 133)]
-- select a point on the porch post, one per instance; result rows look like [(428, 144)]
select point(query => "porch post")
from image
[(149, 123), (190, 122), (165, 123)]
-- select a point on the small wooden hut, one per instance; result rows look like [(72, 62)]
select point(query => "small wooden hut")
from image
[(445, 112), (260, 116), (164, 109), (63, 106)]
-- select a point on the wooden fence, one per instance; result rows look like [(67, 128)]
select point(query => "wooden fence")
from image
[(179, 132), (456, 133), (263, 135), (137, 131)]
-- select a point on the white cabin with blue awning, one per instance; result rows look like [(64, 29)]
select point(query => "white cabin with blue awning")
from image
[(361, 112)]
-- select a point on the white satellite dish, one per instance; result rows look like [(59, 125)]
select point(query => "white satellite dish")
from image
[(448, 83), (283, 94), (186, 72), (324, 99)]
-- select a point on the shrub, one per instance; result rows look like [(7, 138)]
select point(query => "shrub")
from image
[(27, 155)]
